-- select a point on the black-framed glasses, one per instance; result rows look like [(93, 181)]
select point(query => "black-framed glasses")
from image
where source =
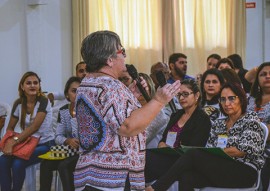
[(231, 99), (122, 51), (184, 94)]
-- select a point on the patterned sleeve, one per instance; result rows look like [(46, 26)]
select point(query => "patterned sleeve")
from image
[(251, 140), (213, 135), (60, 130)]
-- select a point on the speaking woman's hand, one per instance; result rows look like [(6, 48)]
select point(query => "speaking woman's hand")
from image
[(166, 93)]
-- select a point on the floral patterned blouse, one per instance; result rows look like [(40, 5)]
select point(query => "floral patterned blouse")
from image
[(246, 135), (263, 112), (102, 105)]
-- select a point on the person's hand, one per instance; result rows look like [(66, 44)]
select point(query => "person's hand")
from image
[(8, 148), (135, 90), (73, 142), (167, 92), (149, 188), (162, 145)]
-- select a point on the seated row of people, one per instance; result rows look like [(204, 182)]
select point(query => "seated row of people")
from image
[(33, 111)]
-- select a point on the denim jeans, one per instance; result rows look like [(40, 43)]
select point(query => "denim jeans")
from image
[(12, 169)]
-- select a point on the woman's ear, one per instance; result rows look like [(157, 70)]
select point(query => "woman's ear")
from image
[(110, 62), (197, 95)]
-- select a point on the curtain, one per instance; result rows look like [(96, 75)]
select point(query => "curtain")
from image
[(151, 30)]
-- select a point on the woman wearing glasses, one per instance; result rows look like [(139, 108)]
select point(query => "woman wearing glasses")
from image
[(259, 101), (241, 137), (189, 126), (111, 121)]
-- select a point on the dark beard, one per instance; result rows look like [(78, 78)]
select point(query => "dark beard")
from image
[(179, 72)]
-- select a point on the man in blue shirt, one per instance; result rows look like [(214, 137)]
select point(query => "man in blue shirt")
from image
[(178, 67)]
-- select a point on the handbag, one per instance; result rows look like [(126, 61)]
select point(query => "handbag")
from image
[(63, 151), (23, 149)]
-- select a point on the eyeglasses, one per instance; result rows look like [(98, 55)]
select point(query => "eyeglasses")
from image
[(231, 99), (184, 94), (122, 51)]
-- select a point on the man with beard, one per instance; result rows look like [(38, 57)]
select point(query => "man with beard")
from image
[(178, 67)]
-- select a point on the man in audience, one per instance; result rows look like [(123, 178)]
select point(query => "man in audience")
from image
[(178, 67), (212, 60), (159, 66), (81, 70)]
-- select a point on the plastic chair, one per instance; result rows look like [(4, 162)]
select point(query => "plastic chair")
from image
[(30, 178), (57, 182), (256, 185)]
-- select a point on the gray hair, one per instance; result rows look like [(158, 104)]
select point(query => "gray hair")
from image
[(98, 47)]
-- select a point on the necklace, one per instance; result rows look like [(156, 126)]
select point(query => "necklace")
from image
[(107, 74)]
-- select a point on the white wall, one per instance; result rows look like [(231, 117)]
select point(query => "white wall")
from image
[(258, 33), (36, 38)]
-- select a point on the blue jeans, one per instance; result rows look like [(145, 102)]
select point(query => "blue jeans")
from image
[(12, 169)]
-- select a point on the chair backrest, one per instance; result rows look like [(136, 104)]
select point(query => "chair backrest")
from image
[(265, 131)]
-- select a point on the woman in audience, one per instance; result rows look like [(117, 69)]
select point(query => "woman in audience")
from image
[(212, 81), (224, 63), (241, 137), (34, 113), (230, 76), (190, 126), (66, 134), (259, 101)]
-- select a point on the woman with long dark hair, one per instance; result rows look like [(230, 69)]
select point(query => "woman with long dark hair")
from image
[(33, 113)]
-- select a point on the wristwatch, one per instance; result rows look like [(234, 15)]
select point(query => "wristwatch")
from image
[(16, 139)]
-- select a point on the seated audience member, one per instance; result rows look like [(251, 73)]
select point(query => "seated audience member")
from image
[(259, 101), (159, 66), (66, 134), (240, 70), (198, 79), (190, 126), (251, 74), (58, 98), (224, 63), (231, 76), (242, 139), (155, 129), (3, 115), (212, 81), (178, 67), (212, 61), (33, 112)]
